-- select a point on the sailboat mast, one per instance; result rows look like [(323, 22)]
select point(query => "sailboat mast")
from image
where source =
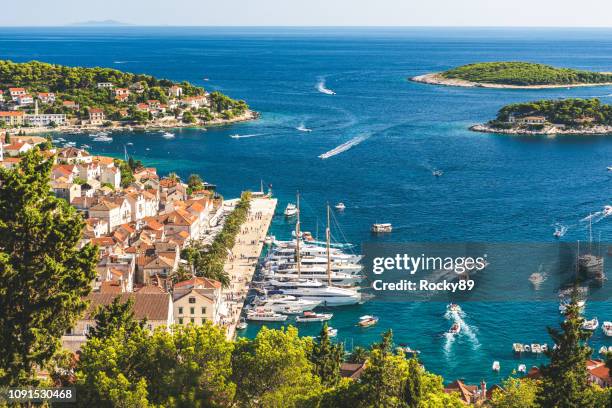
[(297, 239), (590, 234), (328, 239)]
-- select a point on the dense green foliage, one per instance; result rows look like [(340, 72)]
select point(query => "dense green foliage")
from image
[(109, 319), (43, 273), (565, 378), (516, 393), (80, 84), (573, 112), (524, 73), (209, 261), (327, 358)]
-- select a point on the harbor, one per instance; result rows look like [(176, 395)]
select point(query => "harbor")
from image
[(242, 260)]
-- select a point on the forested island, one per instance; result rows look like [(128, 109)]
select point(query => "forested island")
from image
[(36, 94), (515, 75), (572, 116)]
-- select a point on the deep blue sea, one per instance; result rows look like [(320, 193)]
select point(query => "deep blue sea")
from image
[(494, 188)]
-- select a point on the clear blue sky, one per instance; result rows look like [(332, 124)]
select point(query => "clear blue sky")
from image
[(559, 13)]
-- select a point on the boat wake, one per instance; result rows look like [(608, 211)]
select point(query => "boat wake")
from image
[(343, 147), (560, 230), (246, 136), (303, 128), (469, 331), (321, 87), (449, 339), (595, 217)]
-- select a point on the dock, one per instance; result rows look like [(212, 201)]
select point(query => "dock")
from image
[(242, 261)]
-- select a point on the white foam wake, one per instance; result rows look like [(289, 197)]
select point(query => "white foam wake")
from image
[(245, 136), (303, 128), (321, 87), (466, 329), (343, 147)]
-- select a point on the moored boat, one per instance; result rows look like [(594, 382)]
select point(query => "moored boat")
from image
[(308, 317), (242, 324), (380, 228), (290, 210), (590, 325), (496, 366), (340, 206), (367, 321), (263, 315), (607, 328)]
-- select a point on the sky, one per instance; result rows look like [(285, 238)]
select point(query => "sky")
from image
[(521, 13)]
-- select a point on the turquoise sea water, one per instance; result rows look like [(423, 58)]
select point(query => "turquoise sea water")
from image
[(494, 188)]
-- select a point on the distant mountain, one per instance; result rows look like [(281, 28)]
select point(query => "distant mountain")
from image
[(102, 23)]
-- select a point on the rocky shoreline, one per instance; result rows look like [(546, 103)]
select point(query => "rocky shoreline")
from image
[(118, 126), (548, 130), (436, 78)]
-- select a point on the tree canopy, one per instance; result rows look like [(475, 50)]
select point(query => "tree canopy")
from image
[(572, 112), (524, 73), (43, 272)]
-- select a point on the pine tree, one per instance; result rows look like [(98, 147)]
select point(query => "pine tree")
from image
[(327, 358), (43, 273), (565, 378), (109, 319)]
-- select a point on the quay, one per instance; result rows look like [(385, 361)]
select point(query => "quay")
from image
[(242, 261)]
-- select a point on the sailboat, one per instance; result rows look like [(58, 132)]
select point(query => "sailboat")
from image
[(327, 294)]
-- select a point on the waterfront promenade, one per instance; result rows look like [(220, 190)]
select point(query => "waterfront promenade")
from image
[(242, 261)]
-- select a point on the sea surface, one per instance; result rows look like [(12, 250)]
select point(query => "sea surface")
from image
[(495, 188)]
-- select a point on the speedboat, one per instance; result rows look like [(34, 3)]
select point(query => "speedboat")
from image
[(607, 328), (331, 332), (367, 321), (609, 168), (308, 317), (242, 324), (385, 227), (591, 325), (263, 315), (496, 366), (453, 308), (607, 210), (168, 135), (291, 210), (537, 278), (603, 350), (269, 240), (340, 206), (455, 328), (522, 368), (437, 173)]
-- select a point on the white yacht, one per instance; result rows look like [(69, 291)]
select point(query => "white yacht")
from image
[(280, 303), (336, 278), (291, 210), (340, 206), (327, 295), (316, 265), (265, 315), (607, 210)]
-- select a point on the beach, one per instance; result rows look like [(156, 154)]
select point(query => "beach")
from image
[(436, 78), (242, 261)]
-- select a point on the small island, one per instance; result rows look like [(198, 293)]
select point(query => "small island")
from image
[(36, 96), (515, 75), (566, 116)]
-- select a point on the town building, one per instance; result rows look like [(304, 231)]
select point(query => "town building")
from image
[(12, 118), (96, 116), (45, 119)]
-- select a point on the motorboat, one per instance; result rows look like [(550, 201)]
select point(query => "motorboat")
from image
[(269, 240), (367, 321), (380, 228), (328, 295), (290, 210), (455, 328), (603, 350), (518, 347), (453, 308), (282, 303), (607, 210), (242, 324), (522, 368), (609, 168), (340, 206), (607, 328), (263, 315), (407, 350), (437, 173), (536, 348), (336, 278), (544, 347), (590, 325), (168, 135), (331, 332), (496, 366), (308, 317), (537, 278)]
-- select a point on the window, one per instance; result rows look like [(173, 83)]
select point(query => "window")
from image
[(180, 320), (203, 310), (191, 300), (180, 310), (192, 310), (192, 320)]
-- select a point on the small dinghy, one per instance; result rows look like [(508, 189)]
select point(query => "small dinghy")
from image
[(308, 317), (607, 328), (455, 328), (591, 325)]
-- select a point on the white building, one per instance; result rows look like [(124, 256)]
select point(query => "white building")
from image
[(45, 119)]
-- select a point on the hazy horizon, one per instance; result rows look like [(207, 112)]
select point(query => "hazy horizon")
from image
[(316, 13)]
